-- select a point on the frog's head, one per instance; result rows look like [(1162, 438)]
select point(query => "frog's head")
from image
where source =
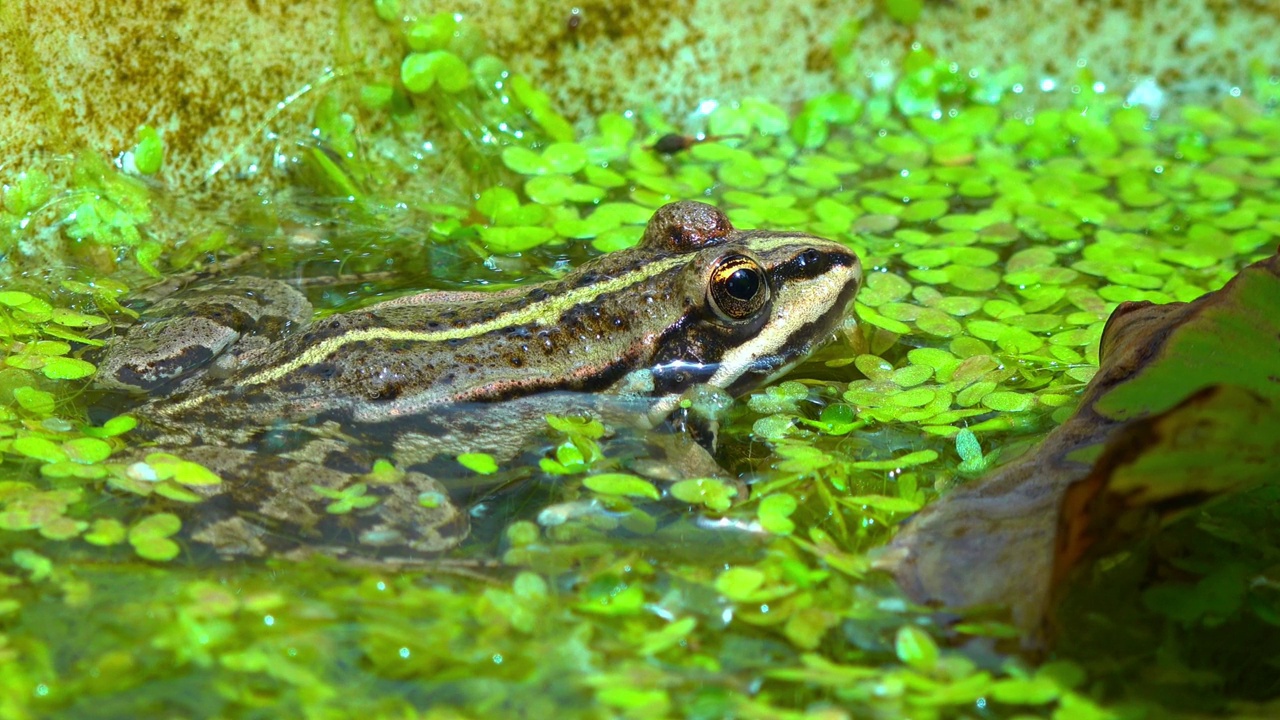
[(754, 303)]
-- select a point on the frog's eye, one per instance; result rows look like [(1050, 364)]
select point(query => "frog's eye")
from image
[(737, 288)]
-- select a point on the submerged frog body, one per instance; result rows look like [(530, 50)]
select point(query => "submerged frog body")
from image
[(286, 409)]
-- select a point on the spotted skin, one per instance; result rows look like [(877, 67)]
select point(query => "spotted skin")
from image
[(641, 326)]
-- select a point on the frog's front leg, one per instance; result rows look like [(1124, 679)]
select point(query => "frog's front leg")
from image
[(274, 505), (213, 322)]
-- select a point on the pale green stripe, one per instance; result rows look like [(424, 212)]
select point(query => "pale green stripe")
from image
[(552, 307), (544, 312)]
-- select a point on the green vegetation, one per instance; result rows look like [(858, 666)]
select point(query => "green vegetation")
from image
[(998, 230)]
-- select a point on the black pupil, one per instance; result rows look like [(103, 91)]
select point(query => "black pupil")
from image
[(743, 284)]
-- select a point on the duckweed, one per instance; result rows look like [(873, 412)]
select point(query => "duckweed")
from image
[(621, 484), (150, 537), (421, 71), (996, 239), (148, 154), (481, 463)]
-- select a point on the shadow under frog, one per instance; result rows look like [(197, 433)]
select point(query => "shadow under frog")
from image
[(234, 374)]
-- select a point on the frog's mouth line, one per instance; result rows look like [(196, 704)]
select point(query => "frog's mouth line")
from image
[(823, 298), (810, 309)]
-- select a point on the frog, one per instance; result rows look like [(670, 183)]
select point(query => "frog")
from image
[(291, 411)]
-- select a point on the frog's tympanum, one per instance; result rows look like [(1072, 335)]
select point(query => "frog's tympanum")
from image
[(240, 379)]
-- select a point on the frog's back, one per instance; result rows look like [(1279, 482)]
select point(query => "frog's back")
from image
[(402, 357), (697, 302)]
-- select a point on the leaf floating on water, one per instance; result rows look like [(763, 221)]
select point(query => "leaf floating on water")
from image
[(35, 401), (106, 532), (916, 648), (150, 537), (775, 513), (482, 463), (622, 484), (740, 583), (39, 448), (65, 368), (713, 493)]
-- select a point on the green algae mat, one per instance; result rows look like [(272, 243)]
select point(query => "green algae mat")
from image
[(999, 225)]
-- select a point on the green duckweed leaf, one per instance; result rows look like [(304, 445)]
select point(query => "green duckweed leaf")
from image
[(743, 172), (15, 298), (173, 491), (524, 161), (881, 288), (65, 368), (171, 467), (1036, 690), (148, 154), (772, 427), (39, 448), (347, 499), (38, 566), (383, 472), (809, 130), (49, 347), (883, 503), (564, 157), (918, 457), (712, 493), (499, 203), (434, 33), (25, 362), (118, 425), (916, 649), (622, 484), (775, 513), (967, 447), (548, 189), (507, 240), (911, 376), (576, 426), (421, 71), (612, 599), (150, 537), (1009, 401), (481, 463), (105, 531), (917, 397), (63, 528), (38, 402), (740, 583), (87, 450)]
